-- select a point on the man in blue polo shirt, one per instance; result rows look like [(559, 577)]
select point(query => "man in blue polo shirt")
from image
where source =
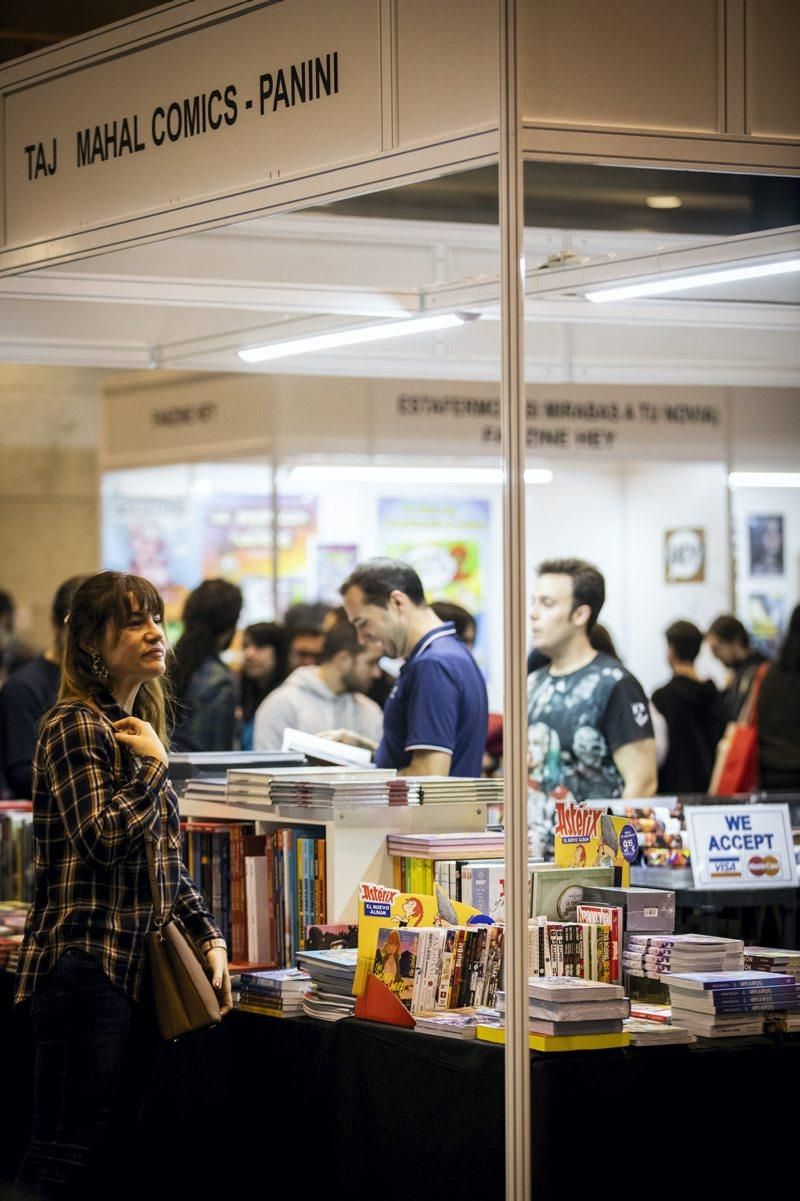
[(435, 718)]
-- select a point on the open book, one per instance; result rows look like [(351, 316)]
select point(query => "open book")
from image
[(325, 750)]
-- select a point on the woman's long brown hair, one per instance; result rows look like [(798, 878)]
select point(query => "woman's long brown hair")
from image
[(101, 598)]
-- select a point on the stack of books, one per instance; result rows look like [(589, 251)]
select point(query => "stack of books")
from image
[(725, 1004), (655, 955), (448, 1023), (646, 1033), (313, 786), (331, 973), (442, 790), (275, 993), (569, 1014), (194, 766), (772, 959)]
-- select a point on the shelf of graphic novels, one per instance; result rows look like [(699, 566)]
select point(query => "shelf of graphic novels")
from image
[(352, 809)]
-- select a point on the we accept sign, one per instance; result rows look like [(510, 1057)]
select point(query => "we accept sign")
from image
[(734, 846)]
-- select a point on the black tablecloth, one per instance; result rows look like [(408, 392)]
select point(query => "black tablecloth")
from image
[(359, 1109)]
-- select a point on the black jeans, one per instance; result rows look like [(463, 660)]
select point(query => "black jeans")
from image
[(81, 1027)]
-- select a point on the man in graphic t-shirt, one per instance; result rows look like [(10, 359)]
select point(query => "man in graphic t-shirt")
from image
[(590, 736)]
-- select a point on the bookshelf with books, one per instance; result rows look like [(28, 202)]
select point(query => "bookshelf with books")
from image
[(355, 836)]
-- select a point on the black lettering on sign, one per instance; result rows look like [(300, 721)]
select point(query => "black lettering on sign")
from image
[(108, 140), (194, 115), (184, 414), (40, 162), (299, 83)]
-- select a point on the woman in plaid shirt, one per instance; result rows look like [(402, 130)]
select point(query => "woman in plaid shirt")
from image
[(100, 788)]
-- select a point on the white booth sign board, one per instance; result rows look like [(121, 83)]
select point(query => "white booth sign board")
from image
[(282, 90), (297, 416), (736, 845)]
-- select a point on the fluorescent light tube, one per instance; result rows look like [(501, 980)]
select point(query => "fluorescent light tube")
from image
[(334, 473), (681, 283), (352, 337), (764, 479)]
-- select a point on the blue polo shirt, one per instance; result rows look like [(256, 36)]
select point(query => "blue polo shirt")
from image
[(439, 703)]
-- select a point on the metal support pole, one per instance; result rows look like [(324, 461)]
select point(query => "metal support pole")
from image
[(517, 1060)]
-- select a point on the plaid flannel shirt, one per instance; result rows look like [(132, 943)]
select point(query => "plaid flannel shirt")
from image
[(93, 805)]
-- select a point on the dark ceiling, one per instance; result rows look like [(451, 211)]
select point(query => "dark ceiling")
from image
[(28, 25), (557, 195)]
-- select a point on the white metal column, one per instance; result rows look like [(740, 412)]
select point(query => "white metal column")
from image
[(517, 1056)]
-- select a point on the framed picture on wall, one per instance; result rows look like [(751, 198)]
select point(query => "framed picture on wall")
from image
[(765, 537), (766, 619), (685, 555)]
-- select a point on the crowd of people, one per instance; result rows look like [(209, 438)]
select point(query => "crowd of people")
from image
[(328, 669), (85, 729)]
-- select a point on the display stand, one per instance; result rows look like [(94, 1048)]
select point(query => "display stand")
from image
[(378, 1004)]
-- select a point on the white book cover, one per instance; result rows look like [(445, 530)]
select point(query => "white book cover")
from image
[(325, 749)]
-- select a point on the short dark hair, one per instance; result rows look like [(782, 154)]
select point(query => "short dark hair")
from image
[(7, 606), (63, 598), (342, 636), (588, 585), (306, 616), (379, 578), (685, 640), (461, 618), (729, 629)]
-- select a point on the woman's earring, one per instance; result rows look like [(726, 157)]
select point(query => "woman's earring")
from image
[(99, 669)]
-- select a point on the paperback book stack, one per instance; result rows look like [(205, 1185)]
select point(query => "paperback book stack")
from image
[(785, 962), (652, 956), (772, 959), (276, 993), (647, 1033), (442, 790), (726, 1004), (569, 1014), (187, 767), (328, 994), (306, 785)]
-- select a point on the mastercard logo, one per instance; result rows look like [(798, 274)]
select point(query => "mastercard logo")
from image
[(763, 865)]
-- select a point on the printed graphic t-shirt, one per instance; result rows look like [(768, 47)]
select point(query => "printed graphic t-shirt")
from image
[(575, 724)]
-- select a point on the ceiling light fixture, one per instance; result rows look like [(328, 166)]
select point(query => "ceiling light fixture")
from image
[(682, 283), (764, 479), (352, 337), (663, 202), (339, 473)]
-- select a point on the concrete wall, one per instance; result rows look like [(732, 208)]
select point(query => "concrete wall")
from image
[(49, 495)]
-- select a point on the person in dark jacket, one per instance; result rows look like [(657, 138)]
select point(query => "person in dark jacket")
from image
[(694, 712), (779, 715), (29, 693), (203, 688), (729, 641)]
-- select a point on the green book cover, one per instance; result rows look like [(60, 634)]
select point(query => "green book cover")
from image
[(557, 891)]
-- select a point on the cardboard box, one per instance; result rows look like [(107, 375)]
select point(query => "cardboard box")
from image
[(650, 909)]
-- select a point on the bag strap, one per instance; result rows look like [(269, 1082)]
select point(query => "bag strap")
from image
[(748, 714)]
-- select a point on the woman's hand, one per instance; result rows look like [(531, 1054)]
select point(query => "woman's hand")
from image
[(217, 960), (141, 738)]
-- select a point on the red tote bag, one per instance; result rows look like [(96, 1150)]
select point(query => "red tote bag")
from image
[(736, 763)]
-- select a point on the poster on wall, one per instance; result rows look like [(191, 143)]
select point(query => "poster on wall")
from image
[(237, 545), (447, 544), (685, 555), (765, 537), (766, 620), (159, 538), (334, 564)]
